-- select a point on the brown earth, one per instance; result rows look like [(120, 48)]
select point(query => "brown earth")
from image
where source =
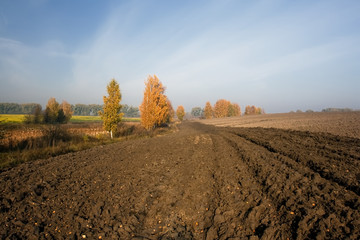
[(338, 123), (201, 182)]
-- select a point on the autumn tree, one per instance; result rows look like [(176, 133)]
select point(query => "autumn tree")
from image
[(111, 114), (259, 110), (54, 112), (51, 114), (208, 111), (154, 108), (231, 111), (221, 108), (66, 108), (180, 112), (234, 110), (237, 109), (251, 110)]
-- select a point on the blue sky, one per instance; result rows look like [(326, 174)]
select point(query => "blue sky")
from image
[(279, 55)]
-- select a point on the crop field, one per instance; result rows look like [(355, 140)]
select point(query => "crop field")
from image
[(278, 176), (343, 124), (11, 118)]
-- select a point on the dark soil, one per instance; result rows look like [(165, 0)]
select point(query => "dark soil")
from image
[(202, 182)]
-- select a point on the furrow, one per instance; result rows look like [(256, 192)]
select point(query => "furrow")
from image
[(302, 197)]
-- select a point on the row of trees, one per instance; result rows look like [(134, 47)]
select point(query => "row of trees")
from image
[(94, 109), (130, 111), (15, 108), (53, 113), (86, 109), (252, 110), (77, 109), (222, 108), (156, 109)]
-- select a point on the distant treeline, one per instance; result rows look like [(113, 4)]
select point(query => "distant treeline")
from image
[(15, 108), (337, 110), (78, 109), (86, 109)]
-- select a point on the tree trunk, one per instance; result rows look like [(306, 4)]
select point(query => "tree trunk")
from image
[(111, 134)]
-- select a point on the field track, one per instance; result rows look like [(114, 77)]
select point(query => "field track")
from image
[(201, 182)]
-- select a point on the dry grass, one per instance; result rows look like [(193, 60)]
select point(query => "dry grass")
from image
[(19, 118), (22, 143)]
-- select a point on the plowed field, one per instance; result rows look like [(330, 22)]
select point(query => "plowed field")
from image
[(201, 182)]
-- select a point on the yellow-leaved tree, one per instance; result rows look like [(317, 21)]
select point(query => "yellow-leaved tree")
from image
[(111, 115), (180, 112), (51, 113), (234, 110), (154, 109), (208, 111)]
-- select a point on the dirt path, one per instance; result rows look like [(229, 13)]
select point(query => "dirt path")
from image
[(201, 182)]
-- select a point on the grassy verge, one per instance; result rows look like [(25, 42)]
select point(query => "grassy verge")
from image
[(19, 118), (12, 158), (55, 140)]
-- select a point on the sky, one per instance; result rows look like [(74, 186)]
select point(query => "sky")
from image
[(278, 55)]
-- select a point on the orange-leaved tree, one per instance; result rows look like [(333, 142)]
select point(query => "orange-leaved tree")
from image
[(180, 112), (208, 111), (154, 108), (250, 110), (111, 115), (221, 108), (66, 107)]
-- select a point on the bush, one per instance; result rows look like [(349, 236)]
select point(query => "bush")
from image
[(54, 134)]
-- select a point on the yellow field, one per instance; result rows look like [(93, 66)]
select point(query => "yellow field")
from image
[(18, 118), (11, 118), (85, 119)]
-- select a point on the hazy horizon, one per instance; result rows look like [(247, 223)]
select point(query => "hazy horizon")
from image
[(278, 55)]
